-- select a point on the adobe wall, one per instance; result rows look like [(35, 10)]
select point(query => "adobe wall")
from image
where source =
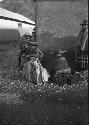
[(59, 23)]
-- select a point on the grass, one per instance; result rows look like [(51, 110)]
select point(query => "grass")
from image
[(47, 105), (22, 103)]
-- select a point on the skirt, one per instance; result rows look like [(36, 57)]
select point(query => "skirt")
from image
[(81, 61)]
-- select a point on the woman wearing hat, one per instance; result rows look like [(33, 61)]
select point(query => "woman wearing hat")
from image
[(81, 57), (29, 48), (60, 66)]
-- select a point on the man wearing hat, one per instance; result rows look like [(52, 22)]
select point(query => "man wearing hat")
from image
[(81, 57)]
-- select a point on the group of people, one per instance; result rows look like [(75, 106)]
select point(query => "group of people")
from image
[(34, 72)]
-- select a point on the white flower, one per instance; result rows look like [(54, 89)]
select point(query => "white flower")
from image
[(12, 83)]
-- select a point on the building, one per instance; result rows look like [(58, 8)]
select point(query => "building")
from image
[(13, 25)]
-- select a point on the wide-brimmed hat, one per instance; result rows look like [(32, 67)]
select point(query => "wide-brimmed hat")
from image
[(85, 22)]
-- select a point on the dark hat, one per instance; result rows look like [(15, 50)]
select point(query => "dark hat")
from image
[(85, 22), (34, 29), (27, 35), (32, 43), (60, 51)]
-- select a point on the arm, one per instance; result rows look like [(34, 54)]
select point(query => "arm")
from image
[(40, 53), (84, 40)]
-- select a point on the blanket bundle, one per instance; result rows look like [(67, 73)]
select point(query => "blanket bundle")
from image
[(34, 72)]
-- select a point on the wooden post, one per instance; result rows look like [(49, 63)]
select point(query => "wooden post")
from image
[(35, 2)]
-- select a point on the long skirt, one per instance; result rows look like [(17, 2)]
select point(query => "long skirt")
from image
[(81, 60)]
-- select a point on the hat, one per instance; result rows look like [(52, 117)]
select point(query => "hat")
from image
[(85, 22), (60, 51), (32, 43), (34, 29), (28, 35)]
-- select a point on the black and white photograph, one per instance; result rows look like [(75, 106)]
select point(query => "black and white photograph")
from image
[(44, 62)]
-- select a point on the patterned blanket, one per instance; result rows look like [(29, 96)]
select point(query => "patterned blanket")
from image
[(34, 72)]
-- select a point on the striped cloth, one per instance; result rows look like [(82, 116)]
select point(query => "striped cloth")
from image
[(34, 72), (81, 60)]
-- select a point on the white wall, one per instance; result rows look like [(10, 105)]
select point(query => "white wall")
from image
[(25, 28), (7, 27)]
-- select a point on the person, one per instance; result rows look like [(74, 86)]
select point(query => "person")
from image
[(60, 66), (28, 47), (32, 69), (81, 51), (60, 62), (24, 46), (34, 72)]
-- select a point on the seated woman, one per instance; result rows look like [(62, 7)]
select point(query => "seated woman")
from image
[(60, 70), (28, 46), (32, 68)]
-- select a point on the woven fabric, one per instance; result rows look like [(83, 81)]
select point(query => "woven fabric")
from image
[(82, 60), (34, 72)]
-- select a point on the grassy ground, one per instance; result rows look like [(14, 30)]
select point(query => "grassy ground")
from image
[(22, 103), (66, 107)]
